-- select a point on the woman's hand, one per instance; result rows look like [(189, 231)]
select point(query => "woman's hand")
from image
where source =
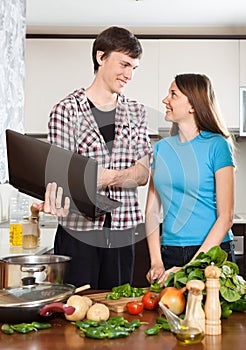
[(172, 269), (156, 272), (52, 202)]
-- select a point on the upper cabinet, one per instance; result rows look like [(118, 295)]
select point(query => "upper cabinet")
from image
[(243, 63), (218, 59), (144, 86), (56, 67)]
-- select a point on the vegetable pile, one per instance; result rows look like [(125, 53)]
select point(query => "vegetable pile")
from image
[(125, 290), (232, 286), (24, 327), (115, 327)]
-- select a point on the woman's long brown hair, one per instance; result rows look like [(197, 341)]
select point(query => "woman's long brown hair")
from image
[(200, 93)]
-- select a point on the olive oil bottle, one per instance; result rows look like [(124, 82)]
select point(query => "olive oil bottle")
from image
[(193, 327), (189, 336), (19, 209)]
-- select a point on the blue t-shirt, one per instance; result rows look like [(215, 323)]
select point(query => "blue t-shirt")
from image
[(185, 180)]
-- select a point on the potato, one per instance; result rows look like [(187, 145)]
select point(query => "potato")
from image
[(87, 300), (81, 305), (98, 312)]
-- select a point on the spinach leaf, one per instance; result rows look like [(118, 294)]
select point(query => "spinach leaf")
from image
[(218, 256), (196, 274), (229, 294), (232, 286)]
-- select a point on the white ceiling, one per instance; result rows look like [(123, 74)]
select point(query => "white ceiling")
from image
[(141, 13)]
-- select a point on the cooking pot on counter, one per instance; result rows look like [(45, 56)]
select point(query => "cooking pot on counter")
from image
[(45, 268), (36, 302)]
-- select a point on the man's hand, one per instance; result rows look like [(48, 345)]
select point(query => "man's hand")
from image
[(136, 175), (52, 202)]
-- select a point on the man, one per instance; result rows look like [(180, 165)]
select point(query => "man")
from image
[(101, 123)]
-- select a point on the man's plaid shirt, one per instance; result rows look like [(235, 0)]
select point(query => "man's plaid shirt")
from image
[(73, 127)]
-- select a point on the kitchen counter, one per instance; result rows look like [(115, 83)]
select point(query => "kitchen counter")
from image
[(63, 336), (47, 236), (239, 218)]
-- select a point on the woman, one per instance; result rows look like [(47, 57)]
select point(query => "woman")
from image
[(192, 180)]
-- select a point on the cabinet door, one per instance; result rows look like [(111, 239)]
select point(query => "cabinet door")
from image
[(54, 68), (243, 63), (144, 86), (218, 59)]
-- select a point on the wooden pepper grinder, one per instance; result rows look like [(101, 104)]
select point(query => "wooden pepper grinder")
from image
[(212, 304), (194, 312)]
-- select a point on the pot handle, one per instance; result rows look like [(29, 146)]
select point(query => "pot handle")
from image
[(48, 310), (33, 268)]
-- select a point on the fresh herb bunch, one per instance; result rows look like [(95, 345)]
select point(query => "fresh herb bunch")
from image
[(125, 291), (232, 286)]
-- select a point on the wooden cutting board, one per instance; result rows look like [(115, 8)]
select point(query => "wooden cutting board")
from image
[(113, 305)]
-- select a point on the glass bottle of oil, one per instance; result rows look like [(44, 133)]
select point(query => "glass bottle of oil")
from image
[(193, 327), (189, 335), (19, 209)]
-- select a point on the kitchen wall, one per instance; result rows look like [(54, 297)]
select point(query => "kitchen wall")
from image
[(55, 67)]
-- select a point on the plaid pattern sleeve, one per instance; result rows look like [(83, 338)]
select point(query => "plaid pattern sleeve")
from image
[(72, 126)]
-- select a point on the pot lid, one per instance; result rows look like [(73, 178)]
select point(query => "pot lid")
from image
[(36, 259), (35, 294)]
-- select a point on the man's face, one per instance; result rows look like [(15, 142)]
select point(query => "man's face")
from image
[(116, 70)]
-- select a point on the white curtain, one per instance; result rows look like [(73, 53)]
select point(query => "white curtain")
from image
[(12, 71)]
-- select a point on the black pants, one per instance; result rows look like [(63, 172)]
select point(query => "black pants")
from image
[(179, 256), (102, 268)]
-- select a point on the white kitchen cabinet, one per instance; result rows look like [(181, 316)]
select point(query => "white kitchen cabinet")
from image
[(54, 68), (218, 59), (144, 86), (243, 63)]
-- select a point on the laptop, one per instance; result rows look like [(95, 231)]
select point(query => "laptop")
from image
[(33, 163)]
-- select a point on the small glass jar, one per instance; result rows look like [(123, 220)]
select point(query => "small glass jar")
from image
[(30, 233)]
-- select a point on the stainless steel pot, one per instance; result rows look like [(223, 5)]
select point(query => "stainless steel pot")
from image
[(45, 268), (35, 301)]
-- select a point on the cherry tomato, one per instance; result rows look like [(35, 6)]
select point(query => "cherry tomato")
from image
[(150, 300), (134, 307)]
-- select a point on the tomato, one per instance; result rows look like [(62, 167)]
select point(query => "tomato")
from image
[(134, 307), (150, 300)]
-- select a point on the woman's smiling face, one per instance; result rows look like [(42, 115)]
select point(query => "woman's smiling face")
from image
[(177, 104)]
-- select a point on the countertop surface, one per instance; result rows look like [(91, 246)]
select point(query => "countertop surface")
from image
[(47, 235), (48, 231), (239, 218), (63, 335)]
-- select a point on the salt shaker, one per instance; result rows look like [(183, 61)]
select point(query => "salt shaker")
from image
[(212, 305)]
